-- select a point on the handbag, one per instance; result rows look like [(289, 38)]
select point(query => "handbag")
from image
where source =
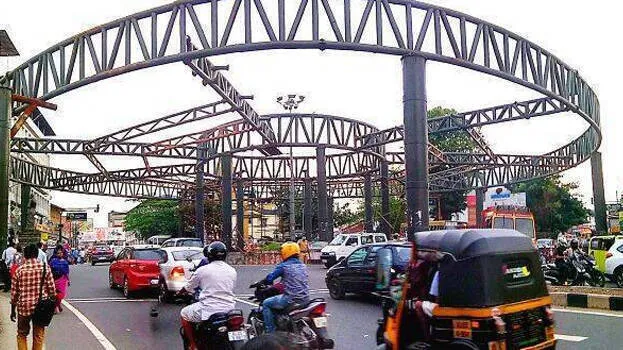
[(44, 309)]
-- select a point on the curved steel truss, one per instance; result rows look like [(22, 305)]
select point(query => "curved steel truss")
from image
[(355, 149)]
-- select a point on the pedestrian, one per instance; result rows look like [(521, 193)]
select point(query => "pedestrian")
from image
[(17, 260), (82, 255), (41, 257), (5, 265), (304, 247), (60, 271), (25, 295)]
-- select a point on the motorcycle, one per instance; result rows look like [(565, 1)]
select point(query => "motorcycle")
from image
[(597, 277), (577, 273), (222, 331), (306, 324)]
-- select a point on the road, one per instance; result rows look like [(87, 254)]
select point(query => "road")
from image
[(126, 324)]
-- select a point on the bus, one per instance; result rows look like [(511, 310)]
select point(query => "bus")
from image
[(157, 239), (510, 217)]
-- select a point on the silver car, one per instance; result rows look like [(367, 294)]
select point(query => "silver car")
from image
[(175, 270)]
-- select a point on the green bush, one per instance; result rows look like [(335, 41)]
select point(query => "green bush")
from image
[(272, 246)]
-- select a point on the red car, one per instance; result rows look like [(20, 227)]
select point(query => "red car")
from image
[(136, 268)]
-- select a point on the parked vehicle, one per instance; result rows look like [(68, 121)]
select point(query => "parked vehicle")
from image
[(597, 277), (599, 246), (176, 267), (182, 242), (576, 273), (492, 294), (343, 244), (135, 269), (357, 273), (306, 324), (222, 331), (547, 249), (614, 263), (157, 239), (101, 253)]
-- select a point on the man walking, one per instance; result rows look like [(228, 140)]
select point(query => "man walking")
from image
[(25, 295), (41, 256), (7, 259)]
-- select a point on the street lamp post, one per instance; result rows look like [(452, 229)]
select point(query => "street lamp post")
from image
[(290, 102)]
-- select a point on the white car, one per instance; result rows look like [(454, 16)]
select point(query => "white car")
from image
[(343, 244), (176, 268), (614, 263)]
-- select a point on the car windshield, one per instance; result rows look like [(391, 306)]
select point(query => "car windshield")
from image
[(185, 254), (503, 222), (338, 240), (190, 243), (525, 226), (544, 243), (102, 248), (149, 254)]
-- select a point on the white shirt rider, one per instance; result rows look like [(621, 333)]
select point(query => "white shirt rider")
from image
[(428, 306), (216, 281), (8, 255)]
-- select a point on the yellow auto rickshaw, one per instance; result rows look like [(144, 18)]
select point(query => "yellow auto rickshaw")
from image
[(490, 294)]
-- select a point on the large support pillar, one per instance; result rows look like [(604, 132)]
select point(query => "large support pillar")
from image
[(5, 133), (367, 203), (480, 199), (27, 234), (416, 142), (200, 194), (385, 222), (599, 199), (226, 199), (323, 205), (240, 212), (308, 209)]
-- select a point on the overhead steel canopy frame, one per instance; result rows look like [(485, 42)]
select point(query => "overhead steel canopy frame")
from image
[(428, 31)]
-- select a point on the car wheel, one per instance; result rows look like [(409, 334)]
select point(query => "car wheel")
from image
[(327, 265), (600, 279), (126, 288), (336, 291), (618, 276), (111, 282)]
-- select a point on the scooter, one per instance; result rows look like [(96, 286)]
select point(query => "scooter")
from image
[(222, 331), (578, 276), (306, 324), (597, 278)]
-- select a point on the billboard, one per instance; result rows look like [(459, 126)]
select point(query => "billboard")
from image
[(503, 196)]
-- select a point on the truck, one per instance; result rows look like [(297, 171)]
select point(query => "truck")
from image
[(511, 217)]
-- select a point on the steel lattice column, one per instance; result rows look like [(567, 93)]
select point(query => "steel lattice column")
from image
[(240, 211), (385, 226), (226, 199), (323, 205), (416, 143), (367, 200), (480, 199), (5, 132), (599, 199), (307, 208), (200, 194), (330, 217)]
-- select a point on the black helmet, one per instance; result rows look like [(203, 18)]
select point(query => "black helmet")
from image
[(215, 251), (574, 243)]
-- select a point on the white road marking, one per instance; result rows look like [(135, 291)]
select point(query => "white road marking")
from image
[(113, 301), (573, 338), (96, 332), (596, 313)]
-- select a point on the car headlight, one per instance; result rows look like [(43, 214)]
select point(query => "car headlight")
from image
[(331, 253)]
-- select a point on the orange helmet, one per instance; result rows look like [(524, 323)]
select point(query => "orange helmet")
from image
[(289, 249)]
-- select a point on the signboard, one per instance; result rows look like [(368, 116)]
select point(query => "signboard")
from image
[(503, 196), (44, 236), (78, 216), (472, 215)]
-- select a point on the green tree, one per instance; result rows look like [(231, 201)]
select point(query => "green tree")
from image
[(553, 204), (154, 217), (343, 215), (397, 209), (454, 141)]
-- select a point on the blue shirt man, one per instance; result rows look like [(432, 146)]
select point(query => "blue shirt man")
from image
[(295, 279)]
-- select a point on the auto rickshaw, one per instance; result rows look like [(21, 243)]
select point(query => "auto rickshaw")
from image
[(491, 294)]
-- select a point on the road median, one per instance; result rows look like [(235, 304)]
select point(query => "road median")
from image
[(587, 297)]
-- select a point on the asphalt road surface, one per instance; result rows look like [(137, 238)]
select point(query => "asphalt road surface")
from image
[(102, 318)]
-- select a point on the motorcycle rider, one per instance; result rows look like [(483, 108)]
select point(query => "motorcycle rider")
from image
[(294, 277), (216, 281), (561, 260)]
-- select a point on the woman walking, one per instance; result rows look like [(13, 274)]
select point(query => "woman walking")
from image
[(60, 272)]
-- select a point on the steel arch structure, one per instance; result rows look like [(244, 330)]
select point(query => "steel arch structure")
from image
[(356, 150)]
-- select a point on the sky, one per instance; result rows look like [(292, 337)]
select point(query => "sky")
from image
[(361, 86)]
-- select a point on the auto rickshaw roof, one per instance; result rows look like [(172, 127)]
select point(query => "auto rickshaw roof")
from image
[(469, 243)]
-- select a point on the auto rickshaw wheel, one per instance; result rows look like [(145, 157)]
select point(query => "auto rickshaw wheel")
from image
[(462, 345)]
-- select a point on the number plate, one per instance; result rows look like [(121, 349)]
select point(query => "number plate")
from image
[(237, 335), (320, 322), (153, 282)]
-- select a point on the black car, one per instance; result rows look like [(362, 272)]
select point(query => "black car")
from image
[(102, 253), (357, 273)]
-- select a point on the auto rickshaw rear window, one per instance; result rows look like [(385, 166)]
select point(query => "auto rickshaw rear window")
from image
[(517, 272)]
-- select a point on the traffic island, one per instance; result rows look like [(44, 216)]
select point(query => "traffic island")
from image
[(587, 297)]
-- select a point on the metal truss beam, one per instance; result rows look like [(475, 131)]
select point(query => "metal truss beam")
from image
[(210, 75)]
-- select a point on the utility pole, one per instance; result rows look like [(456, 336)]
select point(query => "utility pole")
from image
[(5, 131), (289, 103)]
